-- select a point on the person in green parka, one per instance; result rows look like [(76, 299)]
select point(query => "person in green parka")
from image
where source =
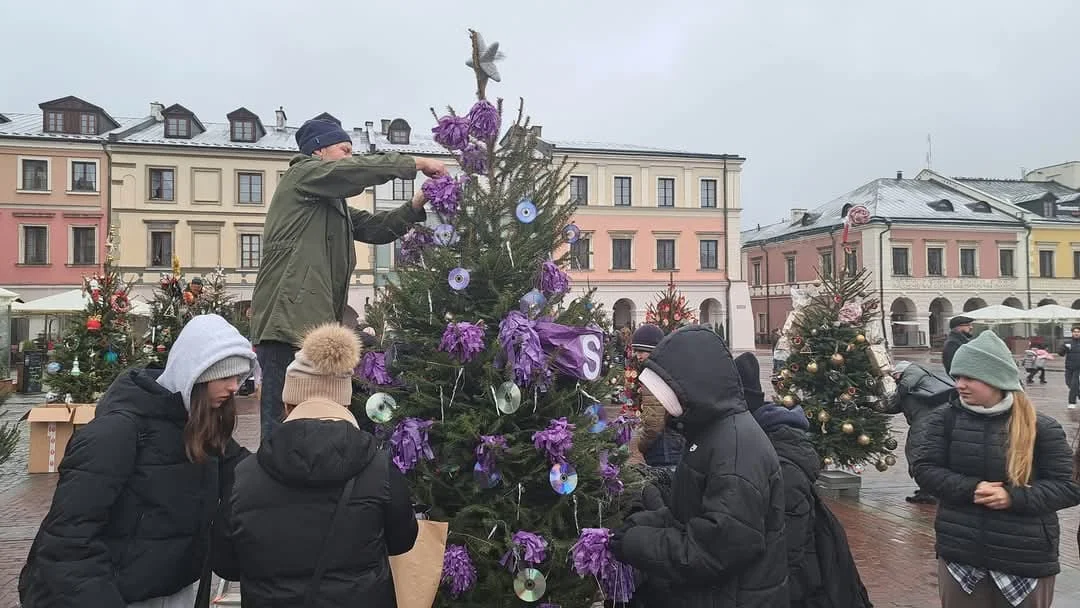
[(308, 252)]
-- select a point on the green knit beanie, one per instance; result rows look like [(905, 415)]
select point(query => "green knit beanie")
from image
[(988, 359)]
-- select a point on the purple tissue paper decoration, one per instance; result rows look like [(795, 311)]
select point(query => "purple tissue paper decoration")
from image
[(624, 429), (575, 351), (452, 132), (521, 345), (474, 159), (483, 120), (553, 280), (610, 474), (444, 194), (409, 443), (413, 243), (528, 547), (458, 572), (593, 558), (463, 340), (372, 369), (556, 441), (490, 448)]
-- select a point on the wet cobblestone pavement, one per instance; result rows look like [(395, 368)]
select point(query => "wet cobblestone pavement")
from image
[(892, 540)]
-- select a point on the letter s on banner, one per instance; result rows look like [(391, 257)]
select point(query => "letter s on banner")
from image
[(591, 347)]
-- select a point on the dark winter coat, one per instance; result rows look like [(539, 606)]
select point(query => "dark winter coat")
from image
[(131, 515), (281, 510), (308, 241), (799, 466), (955, 340), (720, 543), (961, 448), (1071, 351)]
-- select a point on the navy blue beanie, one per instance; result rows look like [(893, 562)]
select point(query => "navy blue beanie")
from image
[(646, 337), (317, 134)]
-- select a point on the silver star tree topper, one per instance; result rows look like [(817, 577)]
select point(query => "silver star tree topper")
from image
[(483, 61)]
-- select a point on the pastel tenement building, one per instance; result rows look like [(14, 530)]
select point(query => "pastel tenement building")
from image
[(198, 187), (936, 246)]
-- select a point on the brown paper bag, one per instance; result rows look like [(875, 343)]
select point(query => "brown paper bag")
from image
[(417, 573)]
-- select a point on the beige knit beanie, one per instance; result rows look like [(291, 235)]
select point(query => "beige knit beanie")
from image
[(323, 367)]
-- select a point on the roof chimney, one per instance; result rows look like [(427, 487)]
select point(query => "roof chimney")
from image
[(385, 126), (797, 215), (899, 175), (155, 111), (369, 126), (280, 118), (535, 130)]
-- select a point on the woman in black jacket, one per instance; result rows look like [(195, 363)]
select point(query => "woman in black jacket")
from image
[(1001, 472), (315, 515), (130, 519)]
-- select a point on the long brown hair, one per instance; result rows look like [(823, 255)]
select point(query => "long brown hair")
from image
[(208, 429), (1021, 446)]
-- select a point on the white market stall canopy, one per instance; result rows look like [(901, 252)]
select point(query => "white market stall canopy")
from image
[(11, 295), (66, 303), (998, 313), (1054, 313)]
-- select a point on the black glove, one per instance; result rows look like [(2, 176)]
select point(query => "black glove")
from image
[(652, 498), (615, 543)]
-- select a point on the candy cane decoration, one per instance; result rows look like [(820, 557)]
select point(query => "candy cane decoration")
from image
[(856, 216)]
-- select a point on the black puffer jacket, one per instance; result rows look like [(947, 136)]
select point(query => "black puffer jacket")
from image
[(1021, 540), (282, 506), (955, 340), (130, 519), (721, 541)]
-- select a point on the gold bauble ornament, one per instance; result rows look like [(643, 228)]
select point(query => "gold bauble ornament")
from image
[(848, 428), (837, 359), (845, 396), (812, 367), (890, 459), (788, 401), (785, 373), (827, 461), (863, 440), (824, 416), (881, 466), (860, 338)]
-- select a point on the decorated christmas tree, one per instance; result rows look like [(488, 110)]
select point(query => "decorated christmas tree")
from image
[(97, 345), (215, 297), (9, 431), (172, 306), (670, 311), (497, 373), (838, 373)]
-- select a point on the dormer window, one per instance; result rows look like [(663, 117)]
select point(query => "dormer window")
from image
[(244, 126), (398, 133), (1049, 209), (979, 207), (845, 209), (181, 123), (243, 130), (54, 122), (177, 127), (74, 116), (88, 124), (941, 205)]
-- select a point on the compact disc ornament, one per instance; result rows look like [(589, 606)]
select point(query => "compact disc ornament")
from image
[(563, 478), (458, 279), (445, 235), (571, 233), (485, 479), (530, 585), (599, 417), (532, 303), (525, 211), (380, 407), (508, 397)]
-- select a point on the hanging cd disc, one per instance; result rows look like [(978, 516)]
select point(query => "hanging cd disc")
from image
[(599, 417), (571, 233), (563, 478), (485, 479), (445, 235), (530, 585), (380, 407), (525, 211), (508, 397)]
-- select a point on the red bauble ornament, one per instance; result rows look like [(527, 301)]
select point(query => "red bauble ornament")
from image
[(93, 324), (160, 348)]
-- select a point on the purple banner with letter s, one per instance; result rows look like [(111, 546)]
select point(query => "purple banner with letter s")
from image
[(574, 351)]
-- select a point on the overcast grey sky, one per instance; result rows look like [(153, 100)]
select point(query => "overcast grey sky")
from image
[(819, 96)]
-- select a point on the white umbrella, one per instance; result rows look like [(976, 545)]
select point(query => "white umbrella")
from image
[(67, 302), (1053, 313), (997, 313)]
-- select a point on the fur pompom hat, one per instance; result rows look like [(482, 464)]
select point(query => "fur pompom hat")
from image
[(323, 367)]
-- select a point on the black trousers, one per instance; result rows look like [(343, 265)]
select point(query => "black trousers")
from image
[(274, 358)]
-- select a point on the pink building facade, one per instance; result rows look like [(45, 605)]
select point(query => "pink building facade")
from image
[(53, 196), (932, 253)]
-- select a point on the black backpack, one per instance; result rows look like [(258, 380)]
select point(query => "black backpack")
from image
[(842, 586)]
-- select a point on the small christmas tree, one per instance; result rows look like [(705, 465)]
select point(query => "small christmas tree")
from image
[(9, 432), (170, 310), (498, 375), (215, 298), (97, 345), (670, 311), (837, 373)]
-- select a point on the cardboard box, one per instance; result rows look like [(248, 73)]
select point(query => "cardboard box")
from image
[(82, 413), (50, 431)]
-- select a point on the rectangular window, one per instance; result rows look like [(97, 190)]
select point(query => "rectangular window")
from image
[(403, 189), (177, 127), (1046, 264), (579, 254), (35, 248), (250, 250), (665, 192), (1076, 264), (83, 245), (1005, 262), (826, 265), (83, 176), (708, 250), (789, 267), (935, 261), (622, 191), (35, 175), (88, 124), (243, 130), (756, 274), (161, 184), (665, 254), (851, 262), (250, 188), (161, 249), (900, 261), (708, 194), (579, 189), (620, 254), (55, 122), (967, 263)]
